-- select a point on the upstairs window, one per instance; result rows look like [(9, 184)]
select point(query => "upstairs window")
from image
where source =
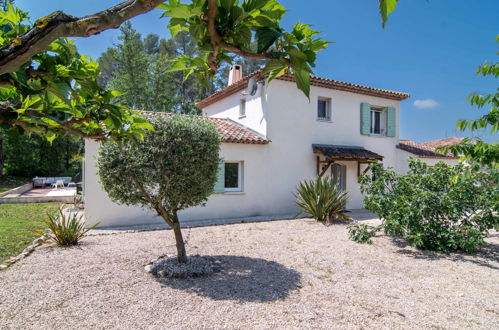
[(323, 108), (378, 121), (242, 108)]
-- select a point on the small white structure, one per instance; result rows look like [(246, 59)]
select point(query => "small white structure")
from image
[(274, 137)]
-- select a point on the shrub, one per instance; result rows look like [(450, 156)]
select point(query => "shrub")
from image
[(362, 233), (65, 230), (173, 168), (322, 199), (442, 208)]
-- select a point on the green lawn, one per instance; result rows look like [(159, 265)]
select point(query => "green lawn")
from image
[(16, 223)]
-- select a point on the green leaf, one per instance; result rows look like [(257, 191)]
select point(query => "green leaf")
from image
[(302, 78), (265, 37), (252, 5), (386, 7)]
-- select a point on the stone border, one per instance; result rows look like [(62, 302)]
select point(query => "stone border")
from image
[(24, 254)]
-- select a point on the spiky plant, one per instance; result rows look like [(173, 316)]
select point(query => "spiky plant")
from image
[(65, 230), (322, 199)]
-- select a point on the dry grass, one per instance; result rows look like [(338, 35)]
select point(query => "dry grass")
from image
[(282, 274)]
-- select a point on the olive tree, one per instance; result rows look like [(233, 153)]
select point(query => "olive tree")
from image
[(172, 168)]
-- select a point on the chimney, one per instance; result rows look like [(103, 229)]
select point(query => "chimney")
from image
[(235, 74)]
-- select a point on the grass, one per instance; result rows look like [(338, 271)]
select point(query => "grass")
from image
[(16, 223)]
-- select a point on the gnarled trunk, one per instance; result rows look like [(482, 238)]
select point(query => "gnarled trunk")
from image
[(181, 254)]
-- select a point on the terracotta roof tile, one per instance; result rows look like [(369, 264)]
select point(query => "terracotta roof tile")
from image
[(444, 142), (314, 81), (423, 150), (230, 131)]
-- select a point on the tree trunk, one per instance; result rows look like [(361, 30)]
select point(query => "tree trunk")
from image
[(181, 254)]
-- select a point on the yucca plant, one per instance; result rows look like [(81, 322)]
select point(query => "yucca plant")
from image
[(322, 199), (65, 230)]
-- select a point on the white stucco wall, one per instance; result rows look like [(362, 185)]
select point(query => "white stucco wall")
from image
[(256, 109), (293, 128), (403, 160), (272, 171), (255, 200)]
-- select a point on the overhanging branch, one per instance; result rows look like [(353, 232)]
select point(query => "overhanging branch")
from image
[(59, 24)]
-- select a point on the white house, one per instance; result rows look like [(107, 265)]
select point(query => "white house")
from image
[(274, 137)]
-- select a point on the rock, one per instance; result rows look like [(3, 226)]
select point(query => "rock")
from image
[(2, 267), (39, 240), (149, 268)]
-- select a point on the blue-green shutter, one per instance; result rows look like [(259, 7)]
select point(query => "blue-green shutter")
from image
[(390, 121), (220, 184), (365, 118)]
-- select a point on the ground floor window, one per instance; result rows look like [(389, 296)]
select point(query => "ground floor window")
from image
[(339, 174), (233, 176)]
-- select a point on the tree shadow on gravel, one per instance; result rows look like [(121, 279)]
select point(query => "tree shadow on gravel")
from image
[(485, 256), (242, 279)]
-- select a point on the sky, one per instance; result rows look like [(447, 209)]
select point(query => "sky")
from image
[(429, 49)]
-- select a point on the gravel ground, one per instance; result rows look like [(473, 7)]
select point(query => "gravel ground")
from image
[(281, 274)]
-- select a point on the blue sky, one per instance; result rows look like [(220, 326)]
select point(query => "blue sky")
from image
[(430, 49)]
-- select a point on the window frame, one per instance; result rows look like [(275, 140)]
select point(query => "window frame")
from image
[(239, 187), (242, 108), (382, 120), (327, 101)]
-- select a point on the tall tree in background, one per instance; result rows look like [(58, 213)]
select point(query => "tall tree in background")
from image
[(139, 68)]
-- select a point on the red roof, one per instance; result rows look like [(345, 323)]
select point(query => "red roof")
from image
[(314, 81), (230, 131), (233, 132), (444, 142), (425, 150)]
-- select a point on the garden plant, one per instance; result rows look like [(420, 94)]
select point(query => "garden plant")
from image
[(442, 208), (172, 168), (322, 199)]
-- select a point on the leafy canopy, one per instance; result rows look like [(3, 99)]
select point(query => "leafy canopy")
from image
[(57, 91), (173, 168), (443, 208), (249, 28)]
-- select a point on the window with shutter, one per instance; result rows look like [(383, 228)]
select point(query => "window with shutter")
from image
[(390, 121), (220, 184), (365, 118)]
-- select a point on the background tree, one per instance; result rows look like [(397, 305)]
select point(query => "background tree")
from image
[(173, 168), (138, 67), (33, 155)]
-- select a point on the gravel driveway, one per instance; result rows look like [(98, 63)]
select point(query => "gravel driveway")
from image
[(282, 274)]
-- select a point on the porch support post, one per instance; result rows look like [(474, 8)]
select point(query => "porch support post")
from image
[(318, 165), (326, 168)]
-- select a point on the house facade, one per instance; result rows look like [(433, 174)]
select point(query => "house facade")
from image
[(273, 137)]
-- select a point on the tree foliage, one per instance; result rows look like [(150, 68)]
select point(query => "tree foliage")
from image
[(484, 154), (47, 87), (138, 67), (173, 168), (33, 155), (443, 208), (56, 92), (250, 29)]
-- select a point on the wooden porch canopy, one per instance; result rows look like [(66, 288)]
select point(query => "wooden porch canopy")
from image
[(333, 153)]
